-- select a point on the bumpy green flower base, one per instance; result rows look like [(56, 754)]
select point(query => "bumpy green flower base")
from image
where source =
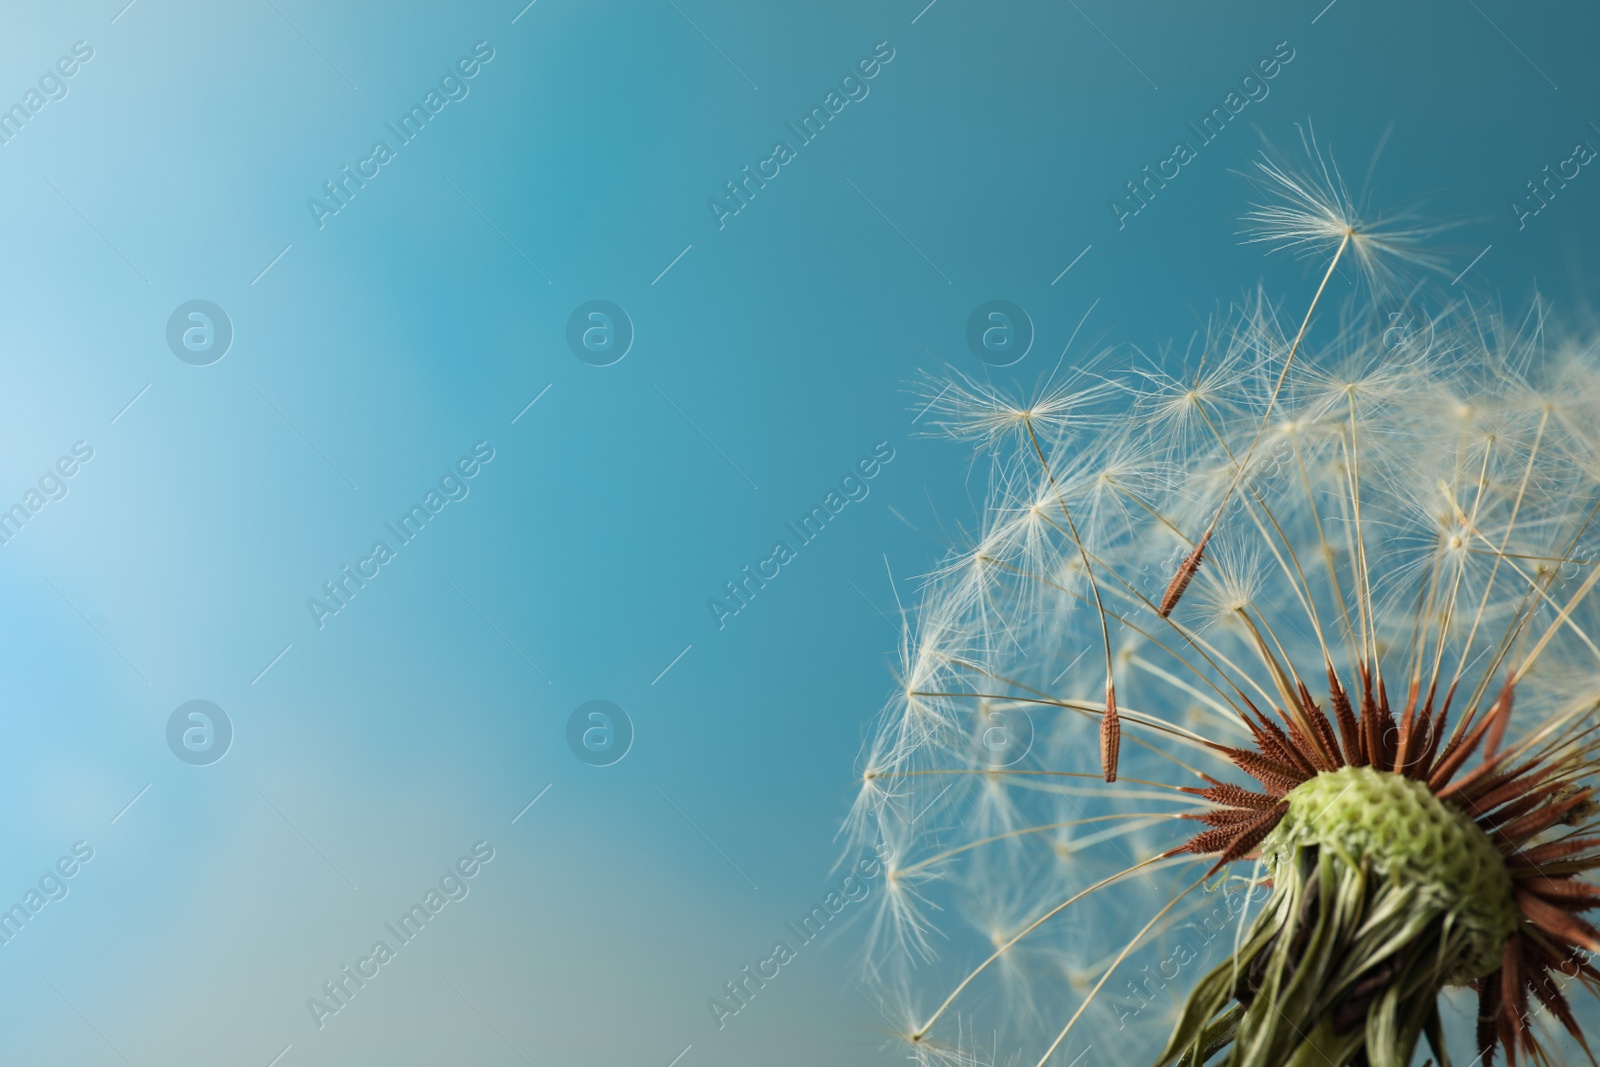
[(1411, 837), (1382, 896)]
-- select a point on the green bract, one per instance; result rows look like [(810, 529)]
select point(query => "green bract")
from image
[(1382, 895), (1409, 836)]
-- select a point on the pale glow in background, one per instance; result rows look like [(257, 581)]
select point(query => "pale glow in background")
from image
[(768, 357)]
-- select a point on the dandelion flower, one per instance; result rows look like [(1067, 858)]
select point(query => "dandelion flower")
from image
[(1293, 667)]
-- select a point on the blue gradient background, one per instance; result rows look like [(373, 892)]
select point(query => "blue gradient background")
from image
[(379, 748)]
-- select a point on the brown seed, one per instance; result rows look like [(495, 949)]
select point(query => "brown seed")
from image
[(1563, 891), (1279, 746), (1519, 830), (1488, 1016), (1436, 734), (1248, 836), (1234, 796), (1278, 778), (1110, 736), (1556, 922), (1328, 754), (1554, 851), (1354, 751), (1223, 816), (1180, 581), (1456, 754)]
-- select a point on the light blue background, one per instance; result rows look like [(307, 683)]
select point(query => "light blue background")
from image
[(406, 330)]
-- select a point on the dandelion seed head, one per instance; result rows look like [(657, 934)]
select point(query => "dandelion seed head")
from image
[(1384, 547)]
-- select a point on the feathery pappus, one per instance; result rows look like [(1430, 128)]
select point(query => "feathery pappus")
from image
[(1257, 723)]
